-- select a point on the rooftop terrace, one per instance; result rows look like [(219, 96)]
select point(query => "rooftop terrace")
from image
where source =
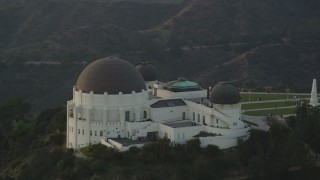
[(181, 124)]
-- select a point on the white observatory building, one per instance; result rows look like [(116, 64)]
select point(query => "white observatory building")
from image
[(120, 105)]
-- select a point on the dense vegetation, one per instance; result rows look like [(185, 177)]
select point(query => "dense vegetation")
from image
[(33, 148)]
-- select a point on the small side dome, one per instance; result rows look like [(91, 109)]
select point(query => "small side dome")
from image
[(147, 70), (111, 75), (224, 93)]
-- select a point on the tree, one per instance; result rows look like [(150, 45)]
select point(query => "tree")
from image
[(307, 126), (193, 146), (51, 120), (12, 111)]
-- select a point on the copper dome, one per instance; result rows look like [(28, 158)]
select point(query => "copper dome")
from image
[(111, 75), (224, 93), (147, 70)]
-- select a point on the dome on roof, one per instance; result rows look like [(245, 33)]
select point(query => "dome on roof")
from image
[(111, 75), (182, 85), (224, 93), (147, 70)]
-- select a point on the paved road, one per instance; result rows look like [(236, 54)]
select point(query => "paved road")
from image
[(260, 120), (268, 108), (266, 101), (274, 93)]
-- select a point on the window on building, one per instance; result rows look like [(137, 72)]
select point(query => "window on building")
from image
[(193, 116), (90, 132), (82, 131), (71, 113), (145, 114), (108, 132), (95, 133), (78, 131), (183, 115), (127, 116), (234, 124), (79, 115), (217, 121), (198, 118), (203, 120), (101, 133)]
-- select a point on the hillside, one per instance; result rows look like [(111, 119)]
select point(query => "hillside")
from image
[(279, 65), (28, 22), (45, 44), (262, 21), (252, 43)]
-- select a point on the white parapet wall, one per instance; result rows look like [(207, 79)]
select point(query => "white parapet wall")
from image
[(224, 138), (110, 100), (186, 95), (227, 132), (168, 114), (118, 146), (133, 127), (105, 142)]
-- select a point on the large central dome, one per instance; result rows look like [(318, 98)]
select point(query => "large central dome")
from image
[(111, 75)]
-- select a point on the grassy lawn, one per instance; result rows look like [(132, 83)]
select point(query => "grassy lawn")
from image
[(264, 97), (271, 111), (266, 105)]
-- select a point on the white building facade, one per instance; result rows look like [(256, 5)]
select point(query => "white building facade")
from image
[(112, 105)]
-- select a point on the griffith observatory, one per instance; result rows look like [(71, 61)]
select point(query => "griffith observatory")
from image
[(121, 105)]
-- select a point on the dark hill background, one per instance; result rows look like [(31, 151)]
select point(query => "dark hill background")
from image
[(44, 44)]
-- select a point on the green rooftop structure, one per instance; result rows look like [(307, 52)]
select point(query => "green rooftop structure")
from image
[(182, 85)]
